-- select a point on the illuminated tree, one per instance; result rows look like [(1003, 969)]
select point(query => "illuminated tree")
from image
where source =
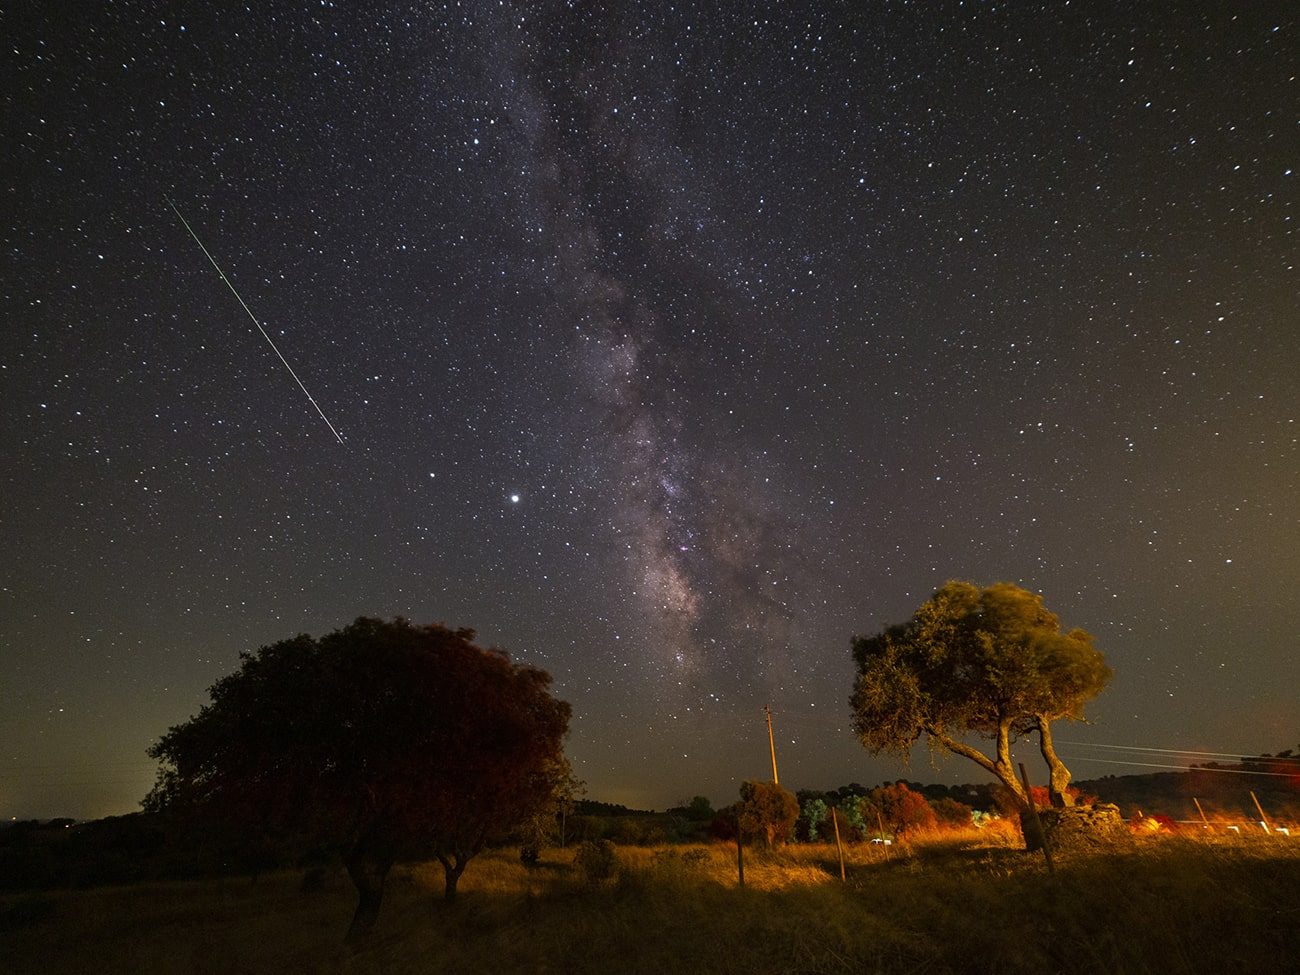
[(989, 663), (767, 810), (382, 741), (901, 809), (950, 812)]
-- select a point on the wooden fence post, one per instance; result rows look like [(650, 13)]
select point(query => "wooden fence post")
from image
[(1263, 820), (1201, 811), (740, 853), (839, 847)]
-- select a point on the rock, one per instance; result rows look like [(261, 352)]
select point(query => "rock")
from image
[(1084, 828)]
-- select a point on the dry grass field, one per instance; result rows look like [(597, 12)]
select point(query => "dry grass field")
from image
[(1162, 904)]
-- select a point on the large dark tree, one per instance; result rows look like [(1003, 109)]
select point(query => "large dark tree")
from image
[(972, 662), (382, 740)]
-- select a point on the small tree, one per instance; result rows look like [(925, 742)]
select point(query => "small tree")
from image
[(378, 741), (950, 812), (901, 809), (767, 810), (699, 810), (987, 662), (851, 813), (550, 820), (814, 813)]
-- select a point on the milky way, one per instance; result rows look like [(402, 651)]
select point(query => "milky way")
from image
[(697, 540)]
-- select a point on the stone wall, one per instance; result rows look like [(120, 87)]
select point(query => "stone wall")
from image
[(1080, 827)]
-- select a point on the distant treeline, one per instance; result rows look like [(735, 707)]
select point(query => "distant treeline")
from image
[(135, 848), (62, 853), (1223, 790)]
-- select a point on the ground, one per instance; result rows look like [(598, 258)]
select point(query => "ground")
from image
[(1158, 904)]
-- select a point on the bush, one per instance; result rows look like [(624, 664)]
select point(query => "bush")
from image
[(767, 810), (901, 809), (672, 859), (596, 861), (950, 812), (723, 826)]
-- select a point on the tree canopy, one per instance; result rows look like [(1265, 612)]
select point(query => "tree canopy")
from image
[(381, 740), (767, 810), (985, 662), (899, 808)]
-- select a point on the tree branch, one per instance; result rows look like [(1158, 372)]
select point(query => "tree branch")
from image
[(962, 749)]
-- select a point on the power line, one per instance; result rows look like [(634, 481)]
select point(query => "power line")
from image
[(1182, 751), (1181, 768), (74, 765)]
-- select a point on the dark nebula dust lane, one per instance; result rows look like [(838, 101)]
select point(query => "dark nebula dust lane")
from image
[(671, 348)]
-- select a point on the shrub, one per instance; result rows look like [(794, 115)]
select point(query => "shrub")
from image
[(695, 857), (901, 809), (950, 812), (596, 860)]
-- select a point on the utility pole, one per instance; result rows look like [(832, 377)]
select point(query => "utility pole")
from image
[(771, 741)]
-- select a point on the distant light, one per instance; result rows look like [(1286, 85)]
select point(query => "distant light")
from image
[(514, 499)]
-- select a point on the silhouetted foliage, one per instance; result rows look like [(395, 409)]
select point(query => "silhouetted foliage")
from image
[(689, 821), (382, 740), (989, 662), (549, 823), (699, 810), (724, 823)]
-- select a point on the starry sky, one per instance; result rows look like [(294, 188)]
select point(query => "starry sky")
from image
[(670, 346)]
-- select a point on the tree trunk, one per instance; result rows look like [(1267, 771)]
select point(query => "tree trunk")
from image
[(368, 874), (452, 868), (1059, 775), (1001, 767)]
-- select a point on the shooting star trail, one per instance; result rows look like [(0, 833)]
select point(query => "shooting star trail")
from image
[(244, 305)]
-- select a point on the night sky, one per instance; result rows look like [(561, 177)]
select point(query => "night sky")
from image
[(670, 347)]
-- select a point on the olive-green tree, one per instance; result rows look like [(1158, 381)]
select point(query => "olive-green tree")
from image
[(976, 662)]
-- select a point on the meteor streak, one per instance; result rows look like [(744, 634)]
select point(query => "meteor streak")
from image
[(244, 305)]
